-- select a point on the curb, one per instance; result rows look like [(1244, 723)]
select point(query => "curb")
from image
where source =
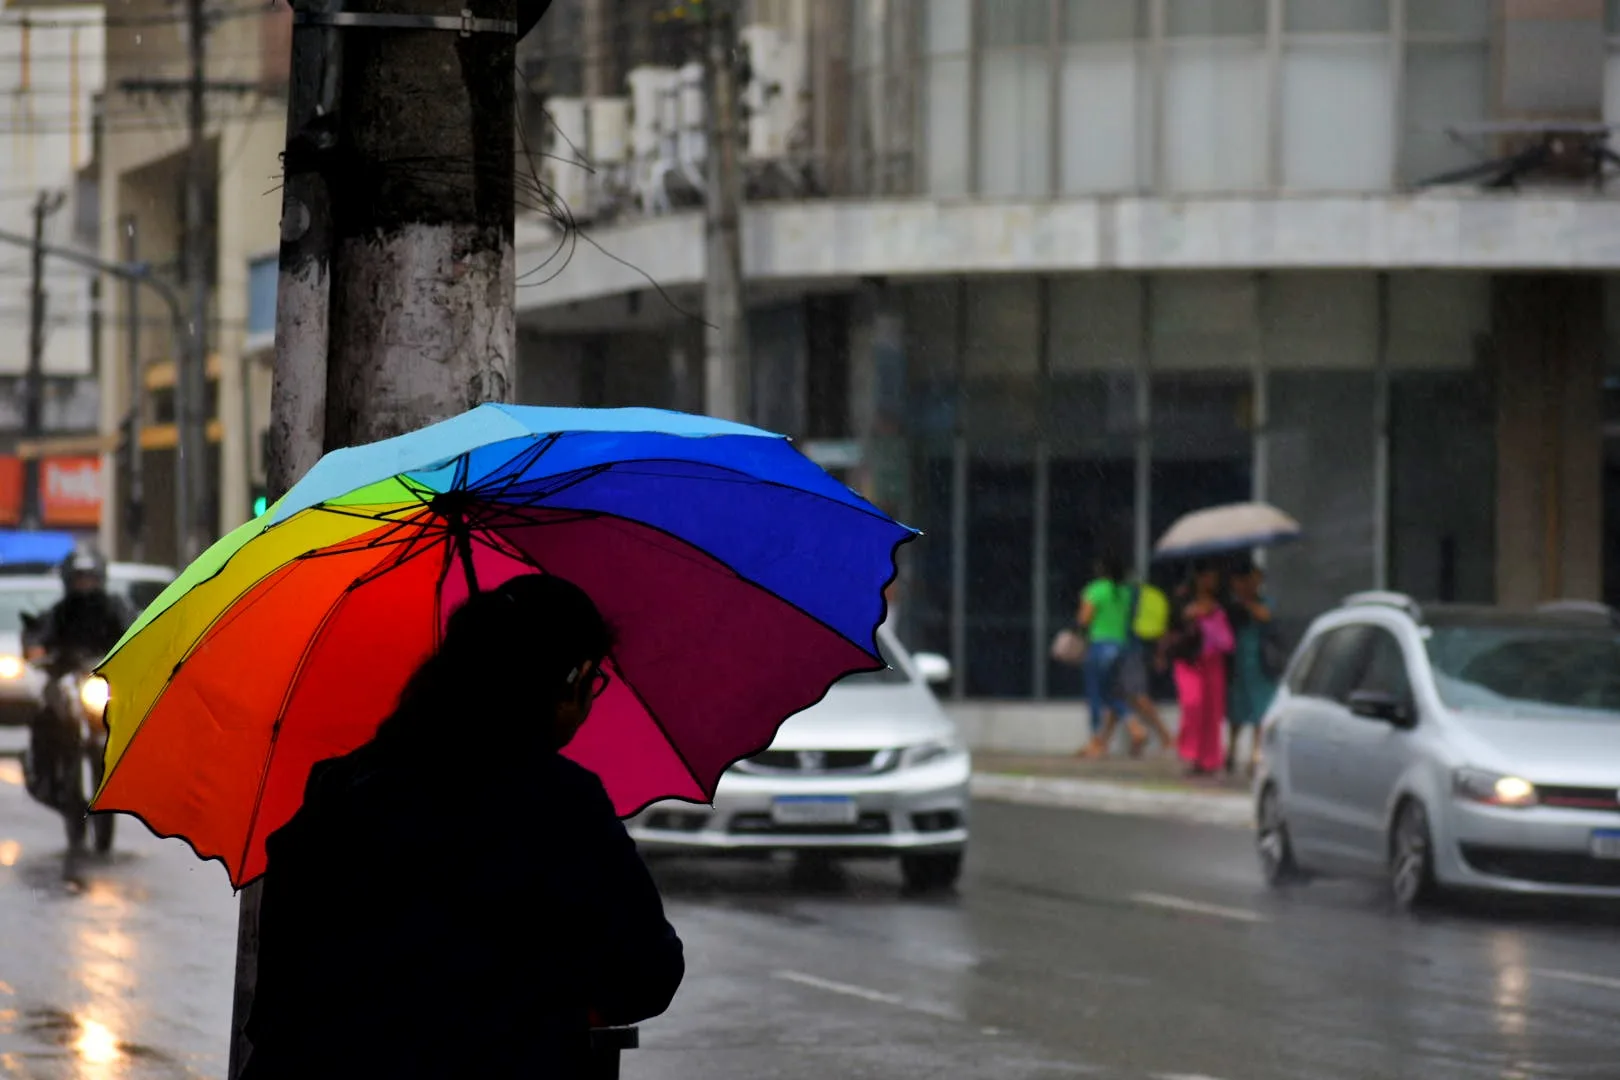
[(1229, 809)]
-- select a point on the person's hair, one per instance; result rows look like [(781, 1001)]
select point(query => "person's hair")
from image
[(529, 635), (1111, 567)]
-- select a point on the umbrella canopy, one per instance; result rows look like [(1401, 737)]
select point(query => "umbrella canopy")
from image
[(1220, 530), (742, 581)]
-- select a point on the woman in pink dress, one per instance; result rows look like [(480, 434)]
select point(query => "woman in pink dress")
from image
[(1200, 672)]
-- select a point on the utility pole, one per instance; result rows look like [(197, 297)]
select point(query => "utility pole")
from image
[(728, 392), (191, 532), (34, 392), (135, 507), (396, 291)]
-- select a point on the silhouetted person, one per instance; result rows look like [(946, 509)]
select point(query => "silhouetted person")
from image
[(456, 898)]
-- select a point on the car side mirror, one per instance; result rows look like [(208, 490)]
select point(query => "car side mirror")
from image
[(1380, 705), (933, 668)]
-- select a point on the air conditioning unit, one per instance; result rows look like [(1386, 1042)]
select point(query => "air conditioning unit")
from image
[(776, 93), (566, 167), (650, 89)]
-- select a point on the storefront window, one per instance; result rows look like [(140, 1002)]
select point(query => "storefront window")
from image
[(1321, 349), (1090, 439), (932, 331), (1442, 438), (1203, 351)]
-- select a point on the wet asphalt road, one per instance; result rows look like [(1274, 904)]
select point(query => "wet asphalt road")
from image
[(1080, 945)]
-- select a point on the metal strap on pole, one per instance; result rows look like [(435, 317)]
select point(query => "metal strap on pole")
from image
[(466, 25)]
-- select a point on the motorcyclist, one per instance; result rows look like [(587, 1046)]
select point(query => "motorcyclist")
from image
[(86, 622), (81, 627)]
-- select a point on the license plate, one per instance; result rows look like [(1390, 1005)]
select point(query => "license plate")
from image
[(1606, 843), (814, 810)]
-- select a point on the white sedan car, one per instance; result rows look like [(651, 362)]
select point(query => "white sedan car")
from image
[(873, 770)]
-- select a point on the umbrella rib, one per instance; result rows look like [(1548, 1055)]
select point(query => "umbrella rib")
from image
[(281, 713), (513, 470)]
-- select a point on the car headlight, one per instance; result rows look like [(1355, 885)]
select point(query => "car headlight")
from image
[(927, 753), (1494, 789), (11, 668), (93, 694)]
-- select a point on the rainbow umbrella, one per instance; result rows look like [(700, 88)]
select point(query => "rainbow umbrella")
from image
[(741, 578)]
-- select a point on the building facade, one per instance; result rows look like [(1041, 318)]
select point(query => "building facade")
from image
[(1044, 274), (51, 69), (141, 163)]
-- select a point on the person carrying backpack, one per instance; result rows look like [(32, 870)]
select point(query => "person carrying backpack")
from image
[(1150, 619)]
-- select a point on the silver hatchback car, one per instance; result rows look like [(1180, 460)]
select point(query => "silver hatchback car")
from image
[(1446, 748)]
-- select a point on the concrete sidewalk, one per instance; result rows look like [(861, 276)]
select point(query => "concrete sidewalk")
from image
[(1152, 786)]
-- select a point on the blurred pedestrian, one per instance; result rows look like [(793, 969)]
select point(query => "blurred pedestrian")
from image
[(1150, 619), (456, 898), (1105, 620), (1253, 674), (1203, 643)]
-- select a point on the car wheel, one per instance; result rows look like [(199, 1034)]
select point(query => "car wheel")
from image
[(1411, 858), (931, 873), (1277, 862)]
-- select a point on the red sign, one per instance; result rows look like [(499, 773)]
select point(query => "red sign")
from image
[(70, 491), (11, 490)]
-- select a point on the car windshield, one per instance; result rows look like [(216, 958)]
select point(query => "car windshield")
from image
[(893, 675), (15, 603), (1531, 667)]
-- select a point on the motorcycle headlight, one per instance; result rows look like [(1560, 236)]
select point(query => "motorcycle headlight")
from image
[(93, 694), (927, 753), (11, 668), (1494, 789)]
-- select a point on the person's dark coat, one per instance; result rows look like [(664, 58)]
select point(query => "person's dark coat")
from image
[(460, 914), (80, 627)]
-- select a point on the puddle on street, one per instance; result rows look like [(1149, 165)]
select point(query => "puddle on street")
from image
[(84, 1038)]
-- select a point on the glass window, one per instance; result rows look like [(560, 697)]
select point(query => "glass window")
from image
[(1299, 673), (1015, 129), (1205, 18), (1442, 438), (1449, 18), (945, 99), (1336, 16), (1104, 20), (1000, 557), (1204, 321), (1015, 22), (1611, 71), (1003, 328), (1338, 115), (1338, 663), (1446, 85), (1106, 112), (262, 275), (947, 26), (1095, 351), (1508, 668), (1385, 671), (1216, 115)]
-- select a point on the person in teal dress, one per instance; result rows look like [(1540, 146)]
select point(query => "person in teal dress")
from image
[(1252, 684)]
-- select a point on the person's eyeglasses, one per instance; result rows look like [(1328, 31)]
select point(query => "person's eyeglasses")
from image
[(597, 684)]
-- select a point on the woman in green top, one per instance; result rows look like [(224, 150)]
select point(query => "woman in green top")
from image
[(1105, 619)]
